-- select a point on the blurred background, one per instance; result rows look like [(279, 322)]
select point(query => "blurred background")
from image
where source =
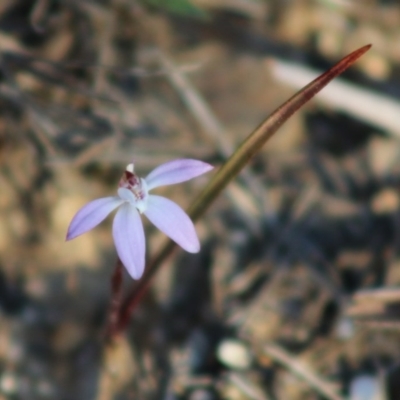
[(295, 293)]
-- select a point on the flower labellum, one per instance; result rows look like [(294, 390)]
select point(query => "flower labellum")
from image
[(133, 199)]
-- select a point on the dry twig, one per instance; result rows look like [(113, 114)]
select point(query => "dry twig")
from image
[(302, 371)]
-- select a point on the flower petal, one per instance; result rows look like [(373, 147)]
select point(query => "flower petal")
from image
[(126, 195), (91, 215), (129, 239), (169, 218), (176, 171)]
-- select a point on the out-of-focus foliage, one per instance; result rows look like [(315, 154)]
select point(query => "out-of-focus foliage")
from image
[(180, 7)]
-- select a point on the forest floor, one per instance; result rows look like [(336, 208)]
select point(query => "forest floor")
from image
[(295, 294)]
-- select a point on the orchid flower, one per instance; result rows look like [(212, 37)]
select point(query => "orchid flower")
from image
[(134, 199)]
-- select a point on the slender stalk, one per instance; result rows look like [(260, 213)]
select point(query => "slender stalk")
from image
[(116, 299), (250, 146)]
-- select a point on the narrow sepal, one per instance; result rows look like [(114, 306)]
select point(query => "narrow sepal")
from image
[(129, 239), (91, 215), (169, 218), (176, 171)]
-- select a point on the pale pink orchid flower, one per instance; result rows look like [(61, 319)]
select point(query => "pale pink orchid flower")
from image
[(134, 199)]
